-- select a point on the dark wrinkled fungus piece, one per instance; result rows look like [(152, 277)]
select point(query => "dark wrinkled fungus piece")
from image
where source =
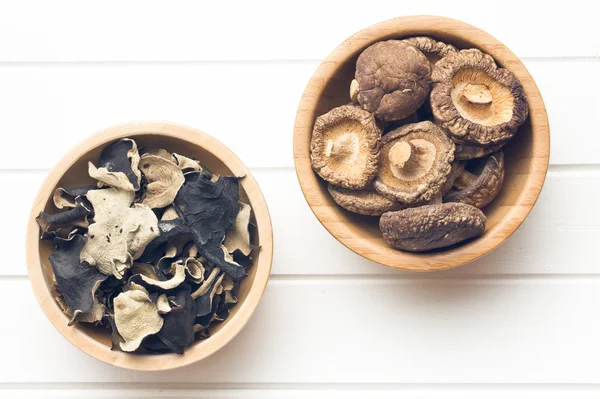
[(77, 282), (177, 330), (82, 209), (209, 208)]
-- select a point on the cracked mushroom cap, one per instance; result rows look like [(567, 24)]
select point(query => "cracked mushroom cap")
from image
[(393, 79), (364, 202), (414, 163), (431, 226), (476, 101), (432, 49), (465, 152), (480, 190), (344, 148)]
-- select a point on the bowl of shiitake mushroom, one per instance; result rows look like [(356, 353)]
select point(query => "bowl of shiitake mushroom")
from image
[(149, 245), (421, 143)]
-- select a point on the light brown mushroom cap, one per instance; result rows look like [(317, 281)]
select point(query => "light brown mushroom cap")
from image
[(431, 226), (433, 49), (414, 163), (344, 148), (465, 152), (476, 101), (480, 190), (394, 79), (364, 202)]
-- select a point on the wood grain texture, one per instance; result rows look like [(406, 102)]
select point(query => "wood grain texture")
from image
[(72, 171), (527, 155)]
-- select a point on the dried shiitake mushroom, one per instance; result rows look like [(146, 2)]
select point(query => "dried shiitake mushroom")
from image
[(415, 162), (430, 178), (469, 151), (364, 202), (344, 149), (158, 285), (479, 190), (393, 79), (433, 49), (431, 226), (477, 102)]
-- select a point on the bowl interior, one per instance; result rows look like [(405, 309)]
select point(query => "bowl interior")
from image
[(76, 175), (330, 88)]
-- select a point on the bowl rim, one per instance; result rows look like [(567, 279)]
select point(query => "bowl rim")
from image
[(413, 26), (202, 349)]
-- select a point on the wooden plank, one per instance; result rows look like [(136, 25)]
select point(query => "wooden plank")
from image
[(555, 239), (358, 330), (187, 30), (250, 107), (330, 392)]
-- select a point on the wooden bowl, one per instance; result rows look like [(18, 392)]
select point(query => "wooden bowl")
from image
[(526, 154), (72, 171)]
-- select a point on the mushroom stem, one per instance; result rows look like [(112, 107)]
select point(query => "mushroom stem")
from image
[(354, 91), (477, 99), (477, 94), (343, 148), (466, 179), (403, 155)]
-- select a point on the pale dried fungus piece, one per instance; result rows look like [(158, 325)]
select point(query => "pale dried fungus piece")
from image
[(118, 166), (204, 303), (164, 180), (162, 304), (237, 237), (77, 282), (209, 208), (66, 197), (162, 285), (187, 164), (120, 231), (136, 317)]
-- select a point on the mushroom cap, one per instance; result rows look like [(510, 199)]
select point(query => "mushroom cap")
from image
[(344, 148), (476, 101), (394, 79), (465, 152), (457, 168), (364, 202), (431, 226), (414, 163), (433, 49), (481, 190)]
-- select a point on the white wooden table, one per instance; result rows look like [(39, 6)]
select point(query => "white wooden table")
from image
[(523, 322)]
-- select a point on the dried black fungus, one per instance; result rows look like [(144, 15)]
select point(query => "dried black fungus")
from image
[(156, 285), (46, 222), (177, 330), (76, 281), (209, 208)]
